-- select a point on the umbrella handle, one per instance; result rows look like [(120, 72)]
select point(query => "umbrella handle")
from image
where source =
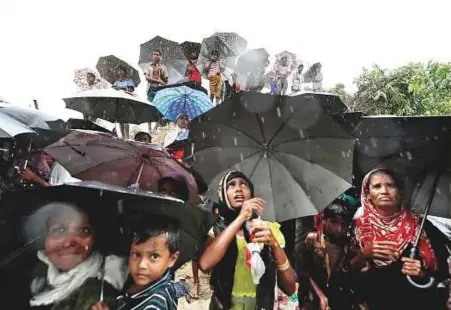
[(413, 254), (102, 280)]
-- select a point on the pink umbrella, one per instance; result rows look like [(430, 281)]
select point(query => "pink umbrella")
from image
[(93, 156)]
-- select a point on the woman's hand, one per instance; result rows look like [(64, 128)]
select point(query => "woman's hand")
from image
[(262, 233), (383, 250), (100, 306), (29, 175), (251, 206), (323, 303), (411, 267)]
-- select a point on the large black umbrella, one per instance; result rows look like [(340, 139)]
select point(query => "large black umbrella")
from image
[(108, 69), (298, 156), (172, 57), (228, 44), (189, 47)]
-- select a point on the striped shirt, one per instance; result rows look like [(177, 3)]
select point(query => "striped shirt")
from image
[(160, 295), (215, 67)]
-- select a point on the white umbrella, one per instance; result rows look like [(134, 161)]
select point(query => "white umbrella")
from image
[(113, 105)]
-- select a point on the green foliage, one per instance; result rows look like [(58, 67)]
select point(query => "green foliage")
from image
[(339, 89), (414, 89)]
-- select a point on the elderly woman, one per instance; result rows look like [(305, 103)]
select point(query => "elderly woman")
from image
[(232, 279), (385, 230), (69, 273)]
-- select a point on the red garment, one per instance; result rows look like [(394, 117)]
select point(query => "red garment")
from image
[(178, 154), (401, 227), (194, 75), (236, 88)]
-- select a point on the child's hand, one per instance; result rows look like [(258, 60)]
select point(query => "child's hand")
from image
[(100, 306)]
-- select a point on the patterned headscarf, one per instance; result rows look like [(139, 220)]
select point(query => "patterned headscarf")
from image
[(401, 227), (222, 188)]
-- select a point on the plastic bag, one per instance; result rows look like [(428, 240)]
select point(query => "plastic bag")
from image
[(254, 261)]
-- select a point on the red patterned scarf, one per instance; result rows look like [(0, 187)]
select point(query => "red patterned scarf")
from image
[(401, 227)]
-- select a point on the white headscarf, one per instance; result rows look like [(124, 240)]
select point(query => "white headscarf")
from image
[(63, 284)]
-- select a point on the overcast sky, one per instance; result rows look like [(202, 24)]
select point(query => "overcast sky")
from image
[(43, 41)]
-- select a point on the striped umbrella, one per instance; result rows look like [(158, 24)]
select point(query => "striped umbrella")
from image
[(172, 102)]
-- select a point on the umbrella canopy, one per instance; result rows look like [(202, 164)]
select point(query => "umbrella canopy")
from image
[(84, 124), (108, 65), (189, 47), (172, 57), (113, 105), (298, 156), (172, 102), (116, 209), (80, 79), (253, 61), (92, 156), (228, 44), (34, 118), (10, 128)]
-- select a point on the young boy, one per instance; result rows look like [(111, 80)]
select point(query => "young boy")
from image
[(213, 68), (153, 253)]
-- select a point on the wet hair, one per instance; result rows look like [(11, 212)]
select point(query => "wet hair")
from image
[(396, 179), (141, 134), (91, 74), (157, 51), (122, 68), (156, 226), (181, 186), (338, 208), (215, 53)]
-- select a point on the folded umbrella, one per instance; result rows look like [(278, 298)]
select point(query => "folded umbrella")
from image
[(172, 102), (93, 156), (113, 105), (108, 69), (298, 156)]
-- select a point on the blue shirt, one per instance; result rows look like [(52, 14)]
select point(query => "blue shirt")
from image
[(124, 84)]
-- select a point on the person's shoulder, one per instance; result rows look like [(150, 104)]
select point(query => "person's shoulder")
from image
[(162, 299)]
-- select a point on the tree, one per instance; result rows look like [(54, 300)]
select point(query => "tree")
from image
[(414, 89), (339, 89)]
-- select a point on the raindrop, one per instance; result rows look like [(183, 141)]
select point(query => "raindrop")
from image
[(203, 135), (291, 109), (409, 155), (263, 120), (279, 113), (438, 191), (301, 133), (343, 154), (101, 193), (234, 114), (435, 138), (235, 141), (219, 129), (214, 136), (242, 158)]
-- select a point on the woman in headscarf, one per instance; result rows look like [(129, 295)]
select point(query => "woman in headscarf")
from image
[(384, 230), (226, 255), (68, 275)]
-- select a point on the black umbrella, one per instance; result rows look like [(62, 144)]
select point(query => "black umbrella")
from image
[(253, 61), (84, 124), (48, 128), (10, 128), (228, 44), (172, 57), (108, 69), (295, 152), (117, 210), (189, 47)]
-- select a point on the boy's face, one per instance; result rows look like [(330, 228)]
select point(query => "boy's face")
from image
[(336, 228), (149, 260)]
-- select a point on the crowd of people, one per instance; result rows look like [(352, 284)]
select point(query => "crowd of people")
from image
[(354, 255)]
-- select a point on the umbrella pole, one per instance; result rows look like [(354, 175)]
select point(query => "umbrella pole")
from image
[(102, 280), (135, 186), (414, 250)]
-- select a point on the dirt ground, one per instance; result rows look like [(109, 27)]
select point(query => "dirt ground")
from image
[(203, 302)]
